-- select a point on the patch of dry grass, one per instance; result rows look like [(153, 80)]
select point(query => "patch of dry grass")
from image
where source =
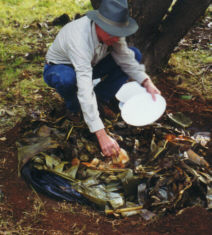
[(193, 72)]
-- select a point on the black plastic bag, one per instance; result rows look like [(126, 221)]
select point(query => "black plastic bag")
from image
[(51, 184)]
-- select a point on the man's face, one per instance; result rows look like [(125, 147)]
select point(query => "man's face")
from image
[(105, 37)]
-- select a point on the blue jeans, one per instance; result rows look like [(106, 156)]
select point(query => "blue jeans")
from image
[(63, 79)]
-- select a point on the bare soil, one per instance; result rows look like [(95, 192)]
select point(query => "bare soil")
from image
[(58, 218)]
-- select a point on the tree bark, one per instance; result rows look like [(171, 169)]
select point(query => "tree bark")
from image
[(148, 14), (175, 26), (161, 26)]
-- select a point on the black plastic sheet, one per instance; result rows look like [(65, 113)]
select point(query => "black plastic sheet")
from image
[(51, 184)]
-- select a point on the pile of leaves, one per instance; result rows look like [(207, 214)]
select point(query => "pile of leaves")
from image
[(169, 167)]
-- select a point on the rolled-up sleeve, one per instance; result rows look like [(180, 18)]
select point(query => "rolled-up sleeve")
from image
[(125, 58)]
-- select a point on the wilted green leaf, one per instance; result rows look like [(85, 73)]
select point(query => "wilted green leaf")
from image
[(180, 119), (51, 161)]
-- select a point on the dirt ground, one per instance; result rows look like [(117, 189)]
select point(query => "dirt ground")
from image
[(52, 217), (23, 211)]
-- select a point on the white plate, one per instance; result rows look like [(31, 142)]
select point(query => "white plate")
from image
[(121, 104), (141, 110), (128, 90)]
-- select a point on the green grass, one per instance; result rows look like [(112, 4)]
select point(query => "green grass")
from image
[(25, 31), (192, 68)]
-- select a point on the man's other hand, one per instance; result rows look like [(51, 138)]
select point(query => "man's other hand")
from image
[(151, 88)]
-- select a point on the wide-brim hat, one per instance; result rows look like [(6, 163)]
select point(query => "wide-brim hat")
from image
[(113, 17)]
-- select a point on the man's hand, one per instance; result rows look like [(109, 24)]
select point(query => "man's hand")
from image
[(151, 88), (107, 144)]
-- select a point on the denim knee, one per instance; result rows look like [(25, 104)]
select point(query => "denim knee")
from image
[(60, 77), (138, 55), (52, 79), (47, 76)]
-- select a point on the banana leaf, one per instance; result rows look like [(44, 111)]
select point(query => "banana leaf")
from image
[(160, 178), (100, 196), (180, 119), (209, 197), (25, 153)]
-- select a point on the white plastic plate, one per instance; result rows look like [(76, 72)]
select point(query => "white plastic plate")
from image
[(128, 90), (121, 104), (141, 110)]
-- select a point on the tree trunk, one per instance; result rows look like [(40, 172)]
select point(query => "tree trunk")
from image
[(148, 14), (162, 24), (172, 29)]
